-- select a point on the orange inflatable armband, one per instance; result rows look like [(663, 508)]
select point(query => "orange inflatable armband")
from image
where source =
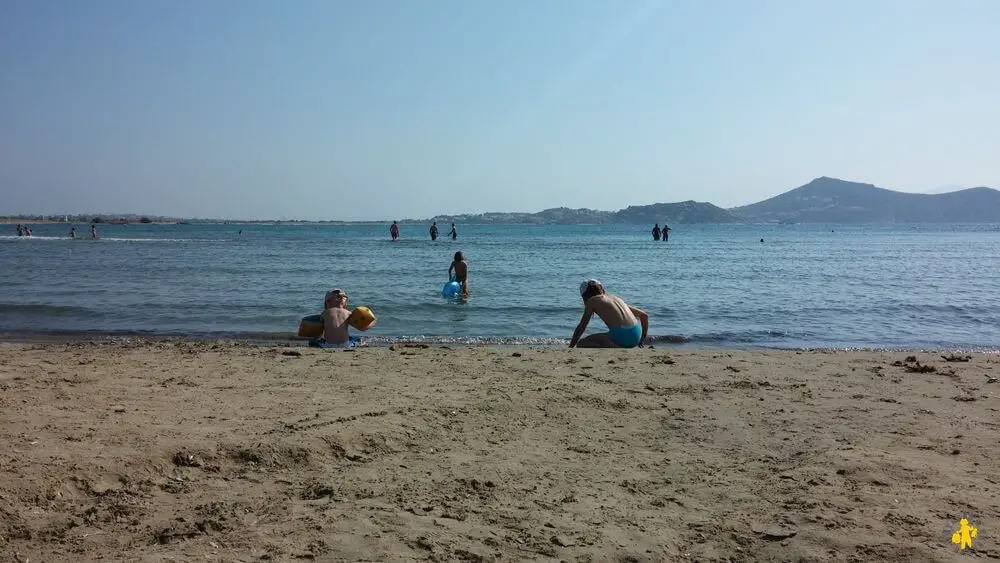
[(311, 326), (361, 318)]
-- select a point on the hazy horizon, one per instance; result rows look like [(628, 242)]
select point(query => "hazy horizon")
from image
[(316, 110), (110, 215)]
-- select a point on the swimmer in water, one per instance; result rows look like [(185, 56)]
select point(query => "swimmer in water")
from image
[(72, 232)]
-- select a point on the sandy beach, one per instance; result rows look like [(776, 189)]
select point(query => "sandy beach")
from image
[(195, 451)]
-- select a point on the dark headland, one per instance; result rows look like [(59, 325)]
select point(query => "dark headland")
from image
[(829, 200), (823, 200)]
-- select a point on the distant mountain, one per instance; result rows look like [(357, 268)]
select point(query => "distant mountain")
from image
[(944, 189), (829, 200), (686, 212)]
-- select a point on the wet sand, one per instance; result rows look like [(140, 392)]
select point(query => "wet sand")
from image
[(194, 451)]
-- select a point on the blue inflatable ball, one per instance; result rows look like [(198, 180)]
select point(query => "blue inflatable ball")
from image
[(451, 289)]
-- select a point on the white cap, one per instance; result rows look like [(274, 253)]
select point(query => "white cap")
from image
[(588, 283), (334, 294)]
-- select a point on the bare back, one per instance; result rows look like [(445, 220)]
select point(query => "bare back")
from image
[(612, 310), (335, 325)]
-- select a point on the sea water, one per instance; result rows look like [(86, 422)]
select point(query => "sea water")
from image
[(901, 286)]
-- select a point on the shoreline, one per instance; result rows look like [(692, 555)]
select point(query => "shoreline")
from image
[(668, 344), (212, 450)]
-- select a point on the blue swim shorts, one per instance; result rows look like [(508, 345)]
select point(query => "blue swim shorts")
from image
[(626, 336), (322, 343)]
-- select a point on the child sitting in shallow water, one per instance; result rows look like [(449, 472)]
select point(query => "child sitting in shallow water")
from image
[(335, 322), (627, 325)]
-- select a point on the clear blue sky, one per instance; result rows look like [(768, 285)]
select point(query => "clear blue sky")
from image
[(381, 109)]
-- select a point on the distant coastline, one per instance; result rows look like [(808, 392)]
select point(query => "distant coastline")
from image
[(27, 220), (823, 200)]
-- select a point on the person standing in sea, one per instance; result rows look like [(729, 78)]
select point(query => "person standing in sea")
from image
[(434, 230), (461, 269), (394, 231), (666, 232), (93, 231), (453, 233), (656, 231)]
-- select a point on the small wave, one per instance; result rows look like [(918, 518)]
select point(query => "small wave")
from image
[(41, 309), (722, 338), (668, 338), (467, 340), (124, 239), (263, 337), (32, 237), (508, 311)]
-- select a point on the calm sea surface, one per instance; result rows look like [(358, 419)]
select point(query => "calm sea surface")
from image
[(918, 286)]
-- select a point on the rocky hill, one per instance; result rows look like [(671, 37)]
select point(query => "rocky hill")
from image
[(829, 200), (687, 212)]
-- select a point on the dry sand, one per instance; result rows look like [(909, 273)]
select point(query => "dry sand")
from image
[(213, 451)]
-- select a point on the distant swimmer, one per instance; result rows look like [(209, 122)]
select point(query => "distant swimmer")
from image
[(656, 231), (394, 231), (434, 230), (453, 233), (761, 240), (27, 231), (93, 231), (72, 232), (461, 268), (666, 232), (20, 230), (627, 325)]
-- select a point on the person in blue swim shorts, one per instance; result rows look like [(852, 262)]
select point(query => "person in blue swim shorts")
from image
[(627, 326)]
